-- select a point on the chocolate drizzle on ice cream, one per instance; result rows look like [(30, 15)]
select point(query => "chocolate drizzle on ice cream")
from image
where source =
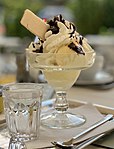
[(78, 49), (36, 47), (55, 29), (61, 33)]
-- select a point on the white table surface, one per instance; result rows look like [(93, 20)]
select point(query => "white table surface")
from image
[(102, 97)]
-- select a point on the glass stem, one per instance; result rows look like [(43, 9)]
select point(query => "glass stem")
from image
[(61, 103)]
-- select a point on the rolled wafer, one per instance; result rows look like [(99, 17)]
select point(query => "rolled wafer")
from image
[(34, 24)]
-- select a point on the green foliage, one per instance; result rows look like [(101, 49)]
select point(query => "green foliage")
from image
[(93, 16), (109, 13), (13, 13), (88, 14)]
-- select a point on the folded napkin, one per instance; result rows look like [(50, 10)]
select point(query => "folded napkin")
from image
[(4, 141), (48, 135)]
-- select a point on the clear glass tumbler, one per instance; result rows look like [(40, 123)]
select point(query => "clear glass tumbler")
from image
[(22, 106)]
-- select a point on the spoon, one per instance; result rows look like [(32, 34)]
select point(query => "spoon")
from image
[(69, 143)]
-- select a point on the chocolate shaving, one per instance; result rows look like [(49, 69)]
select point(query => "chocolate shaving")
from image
[(53, 27), (53, 24), (76, 48), (81, 38), (33, 45), (40, 50)]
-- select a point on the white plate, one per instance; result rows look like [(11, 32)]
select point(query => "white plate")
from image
[(100, 77)]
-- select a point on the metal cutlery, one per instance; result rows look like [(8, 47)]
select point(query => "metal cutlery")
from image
[(81, 145), (69, 143), (88, 142)]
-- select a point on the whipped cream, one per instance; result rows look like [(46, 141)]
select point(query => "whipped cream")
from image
[(61, 38), (61, 33)]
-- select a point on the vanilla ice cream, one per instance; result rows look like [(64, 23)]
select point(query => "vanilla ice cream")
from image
[(61, 37), (60, 52)]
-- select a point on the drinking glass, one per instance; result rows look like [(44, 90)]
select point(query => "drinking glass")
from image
[(22, 106), (61, 71)]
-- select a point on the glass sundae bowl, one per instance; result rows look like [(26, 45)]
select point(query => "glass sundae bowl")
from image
[(61, 71)]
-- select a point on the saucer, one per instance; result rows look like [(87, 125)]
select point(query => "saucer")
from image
[(100, 77)]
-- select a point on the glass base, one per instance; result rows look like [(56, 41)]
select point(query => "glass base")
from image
[(62, 120), (15, 143)]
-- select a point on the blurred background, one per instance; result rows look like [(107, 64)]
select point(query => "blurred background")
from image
[(94, 19)]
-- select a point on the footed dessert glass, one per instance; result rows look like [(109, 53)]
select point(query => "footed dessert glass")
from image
[(61, 72)]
